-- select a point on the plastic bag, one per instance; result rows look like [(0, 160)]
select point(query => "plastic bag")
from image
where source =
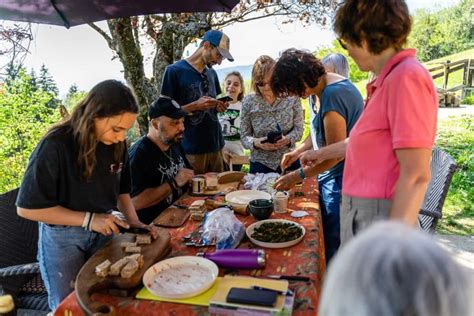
[(222, 228)]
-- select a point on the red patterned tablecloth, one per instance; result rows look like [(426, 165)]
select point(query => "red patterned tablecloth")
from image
[(306, 258)]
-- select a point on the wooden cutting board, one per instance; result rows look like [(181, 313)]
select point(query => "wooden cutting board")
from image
[(172, 217), (87, 282)]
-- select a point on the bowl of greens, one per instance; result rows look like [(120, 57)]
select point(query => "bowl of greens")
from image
[(275, 233)]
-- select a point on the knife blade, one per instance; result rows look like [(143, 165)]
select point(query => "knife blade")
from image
[(290, 277)]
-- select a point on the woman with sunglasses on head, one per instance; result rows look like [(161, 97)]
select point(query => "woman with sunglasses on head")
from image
[(230, 119), (270, 126), (301, 74), (77, 174), (389, 150)]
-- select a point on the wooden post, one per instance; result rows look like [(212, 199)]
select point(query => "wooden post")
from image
[(446, 75)]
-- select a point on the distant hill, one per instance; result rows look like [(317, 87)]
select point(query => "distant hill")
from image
[(245, 71)]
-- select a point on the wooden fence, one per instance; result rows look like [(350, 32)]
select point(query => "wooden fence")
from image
[(447, 95)]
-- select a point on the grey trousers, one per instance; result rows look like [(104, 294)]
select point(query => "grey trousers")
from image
[(357, 214)]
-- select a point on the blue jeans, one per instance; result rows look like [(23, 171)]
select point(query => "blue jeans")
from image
[(62, 251), (257, 167), (330, 199)]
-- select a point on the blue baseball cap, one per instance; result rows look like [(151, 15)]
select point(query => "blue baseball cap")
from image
[(220, 41)]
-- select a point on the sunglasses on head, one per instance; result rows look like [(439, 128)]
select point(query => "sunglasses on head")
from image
[(205, 83), (262, 84), (343, 43)]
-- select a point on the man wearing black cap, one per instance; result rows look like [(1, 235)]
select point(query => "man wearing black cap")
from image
[(160, 170), (194, 84)]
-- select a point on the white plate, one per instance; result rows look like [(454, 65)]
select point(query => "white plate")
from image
[(180, 277), (243, 197), (252, 227)]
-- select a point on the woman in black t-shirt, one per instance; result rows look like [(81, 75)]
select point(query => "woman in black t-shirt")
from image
[(78, 173)]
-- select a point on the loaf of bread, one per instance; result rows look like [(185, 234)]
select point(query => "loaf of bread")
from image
[(117, 266), (126, 244), (138, 258), (143, 239), (133, 249), (130, 268), (102, 269)]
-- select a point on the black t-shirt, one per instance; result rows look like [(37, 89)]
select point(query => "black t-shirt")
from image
[(151, 167), (53, 177)]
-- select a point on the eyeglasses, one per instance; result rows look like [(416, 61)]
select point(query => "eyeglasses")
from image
[(219, 55), (343, 43), (205, 84), (262, 84)]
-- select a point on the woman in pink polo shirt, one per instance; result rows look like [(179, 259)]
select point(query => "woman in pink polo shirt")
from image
[(388, 151)]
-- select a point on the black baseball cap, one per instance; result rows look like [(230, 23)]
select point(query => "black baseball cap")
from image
[(165, 106)]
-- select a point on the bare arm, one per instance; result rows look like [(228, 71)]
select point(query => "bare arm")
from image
[(105, 224), (151, 196), (56, 215), (336, 150), (411, 186), (201, 104), (335, 131)]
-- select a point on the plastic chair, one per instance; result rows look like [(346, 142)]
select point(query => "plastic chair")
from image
[(19, 271), (443, 167)]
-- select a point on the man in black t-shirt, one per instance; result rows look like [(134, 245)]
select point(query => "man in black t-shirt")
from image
[(160, 170)]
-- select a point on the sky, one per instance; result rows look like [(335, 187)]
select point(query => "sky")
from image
[(79, 55)]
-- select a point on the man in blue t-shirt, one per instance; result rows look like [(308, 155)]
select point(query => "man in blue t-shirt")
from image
[(194, 85)]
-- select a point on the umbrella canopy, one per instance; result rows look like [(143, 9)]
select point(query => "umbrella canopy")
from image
[(74, 12)]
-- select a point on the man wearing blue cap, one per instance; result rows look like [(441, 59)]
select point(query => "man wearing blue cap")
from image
[(194, 84), (160, 170)]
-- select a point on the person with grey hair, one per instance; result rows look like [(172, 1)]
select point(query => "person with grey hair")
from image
[(392, 269), (336, 63)]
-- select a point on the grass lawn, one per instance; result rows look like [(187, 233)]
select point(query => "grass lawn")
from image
[(456, 136)]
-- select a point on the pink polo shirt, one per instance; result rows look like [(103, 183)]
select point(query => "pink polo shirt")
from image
[(401, 112)]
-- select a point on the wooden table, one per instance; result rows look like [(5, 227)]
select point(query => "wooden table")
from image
[(306, 258)]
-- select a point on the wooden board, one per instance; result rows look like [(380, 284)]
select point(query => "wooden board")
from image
[(221, 188), (87, 282), (172, 217)]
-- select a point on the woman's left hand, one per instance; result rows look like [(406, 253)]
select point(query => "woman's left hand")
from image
[(283, 142), (151, 228), (286, 182)]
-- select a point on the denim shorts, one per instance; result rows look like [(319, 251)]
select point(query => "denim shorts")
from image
[(62, 251)]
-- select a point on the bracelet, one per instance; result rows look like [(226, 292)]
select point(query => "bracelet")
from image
[(89, 224), (86, 220), (301, 173)]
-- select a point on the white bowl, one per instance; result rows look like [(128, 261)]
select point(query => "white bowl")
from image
[(180, 277), (286, 244), (241, 198)]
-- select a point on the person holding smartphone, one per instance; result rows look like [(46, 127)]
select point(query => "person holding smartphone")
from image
[(270, 126), (194, 85), (77, 174)]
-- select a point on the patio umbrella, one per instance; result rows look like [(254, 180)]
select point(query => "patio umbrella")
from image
[(74, 12)]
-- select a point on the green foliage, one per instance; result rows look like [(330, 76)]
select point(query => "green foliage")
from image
[(73, 97), (355, 74), (456, 136), (468, 100), (47, 84), (24, 119), (437, 34)]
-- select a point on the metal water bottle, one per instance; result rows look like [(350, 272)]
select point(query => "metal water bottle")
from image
[(237, 258)]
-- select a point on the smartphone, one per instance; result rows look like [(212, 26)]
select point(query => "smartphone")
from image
[(273, 137), (225, 99), (252, 297)]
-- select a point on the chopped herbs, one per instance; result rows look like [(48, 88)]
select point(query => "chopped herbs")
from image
[(276, 232)]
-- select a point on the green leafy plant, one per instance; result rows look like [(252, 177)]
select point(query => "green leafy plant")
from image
[(456, 137), (25, 115)]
